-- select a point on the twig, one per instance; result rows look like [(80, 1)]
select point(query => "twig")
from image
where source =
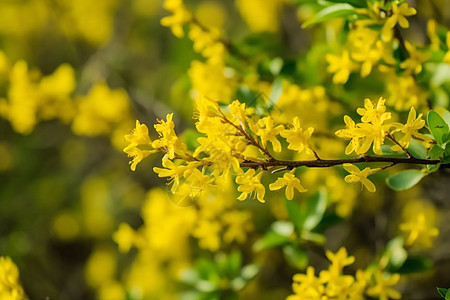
[(324, 163)]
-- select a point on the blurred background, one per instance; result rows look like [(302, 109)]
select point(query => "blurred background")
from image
[(74, 77)]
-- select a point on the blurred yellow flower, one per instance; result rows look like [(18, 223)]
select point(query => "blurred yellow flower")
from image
[(10, 288), (398, 16), (341, 65), (180, 16), (418, 228), (415, 60), (383, 289)]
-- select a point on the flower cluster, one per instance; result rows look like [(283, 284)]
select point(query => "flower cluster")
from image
[(375, 127), (333, 284), (10, 287)]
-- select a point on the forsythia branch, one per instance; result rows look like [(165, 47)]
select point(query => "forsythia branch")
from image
[(324, 163)]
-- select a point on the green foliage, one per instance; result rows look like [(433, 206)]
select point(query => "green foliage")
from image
[(445, 293), (331, 12), (404, 180), (438, 127), (417, 150), (219, 278)]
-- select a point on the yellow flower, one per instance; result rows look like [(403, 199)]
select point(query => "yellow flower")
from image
[(350, 132), (405, 92), (248, 183), (382, 288), (10, 288), (290, 182), (398, 16), (447, 55), (269, 133), (307, 285), (339, 259), (138, 137), (419, 228), (208, 43), (180, 17), (370, 113), (239, 111), (170, 170), (238, 224), (410, 129), (101, 111), (207, 231), (125, 237), (297, 139), (374, 132), (168, 141), (341, 65), (356, 175), (261, 16), (414, 62)]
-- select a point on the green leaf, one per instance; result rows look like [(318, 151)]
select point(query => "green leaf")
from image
[(447, 296), (270, 240), (275, 93), (396, 253), (404, 180), (415, 265), (275, 65), (442, 292), (284, 228), (314, 237), (438, 127), (436, 152), (249, 271), (355, 3), (331, 12), (295, 257), (294, 213), (417, 149), (327, 221), (234, 263), (316, 205), (446, 116)]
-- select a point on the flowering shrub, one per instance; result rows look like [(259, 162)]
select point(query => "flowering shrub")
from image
[(315, 167)]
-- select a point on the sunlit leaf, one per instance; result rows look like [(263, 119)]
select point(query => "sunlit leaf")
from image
[(404, 180), (295, 257), (316, 205), (438, 127), (331, 12)]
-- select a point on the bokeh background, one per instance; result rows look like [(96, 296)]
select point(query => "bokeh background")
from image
[(74, 77)]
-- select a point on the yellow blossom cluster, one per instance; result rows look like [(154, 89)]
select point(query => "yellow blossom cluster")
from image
[(375, 127), (10, 287), (32, 98), (229, 140), (367, 46), (334, 284)]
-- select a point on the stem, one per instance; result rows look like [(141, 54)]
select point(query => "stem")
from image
[(248, 137), (324, 163), (392, 138)]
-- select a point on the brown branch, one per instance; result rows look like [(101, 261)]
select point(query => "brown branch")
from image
[(392, 138), (249, 138), (324, 163)]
